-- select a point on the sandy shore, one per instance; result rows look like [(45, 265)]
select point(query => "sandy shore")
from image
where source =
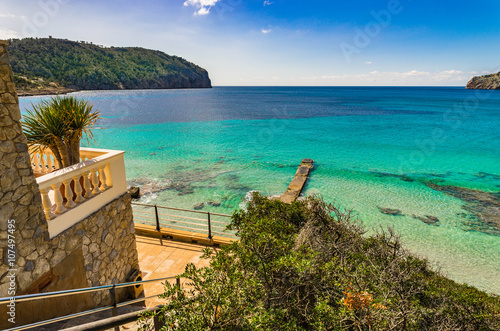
[(44, 91)]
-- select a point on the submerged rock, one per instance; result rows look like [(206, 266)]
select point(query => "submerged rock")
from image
[(386, 174), (215, 203), (135, 192), (390, 211), (485, 206), (428, 219)]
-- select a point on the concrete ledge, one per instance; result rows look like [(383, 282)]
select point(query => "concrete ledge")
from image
[(181, 235), (298, 182)]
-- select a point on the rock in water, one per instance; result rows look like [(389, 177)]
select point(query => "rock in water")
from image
[(486, 82), (135, 192), (428, 219), (215, 203), (390, 211)]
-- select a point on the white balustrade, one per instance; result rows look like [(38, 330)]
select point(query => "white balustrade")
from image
[(102, 178), (68, 193), (42, 160), (78, 189), (95, 181), (58, 199), (47, 205), (36, 160), (90, 184), (86, 185)]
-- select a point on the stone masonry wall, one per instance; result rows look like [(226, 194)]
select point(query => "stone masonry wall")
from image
[(20, 199), (99, 250), (109, 247)]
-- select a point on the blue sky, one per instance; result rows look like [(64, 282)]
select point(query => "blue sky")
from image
[(292, 42)]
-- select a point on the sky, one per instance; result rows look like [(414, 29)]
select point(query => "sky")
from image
[(285, 42)]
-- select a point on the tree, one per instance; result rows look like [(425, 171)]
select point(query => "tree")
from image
[(309, 266), (59, 124)]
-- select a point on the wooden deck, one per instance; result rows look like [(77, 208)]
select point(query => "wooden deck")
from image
[(169, 259)]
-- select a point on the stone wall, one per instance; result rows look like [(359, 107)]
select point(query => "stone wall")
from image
[(20, 199), (98, 250)]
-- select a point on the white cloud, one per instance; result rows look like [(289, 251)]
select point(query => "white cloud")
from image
[(408, 78), (264, 31), (6, 33), (202, 6), (368, 62), (11, 16), (267, 3)]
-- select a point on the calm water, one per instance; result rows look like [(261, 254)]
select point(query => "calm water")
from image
[(372, 147)]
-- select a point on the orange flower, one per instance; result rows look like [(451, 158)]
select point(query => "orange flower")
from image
[(357, 300)]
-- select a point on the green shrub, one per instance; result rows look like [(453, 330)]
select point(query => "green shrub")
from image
[(308, 266)]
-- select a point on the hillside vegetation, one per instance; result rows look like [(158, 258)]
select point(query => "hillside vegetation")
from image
[(485, 82), (310, 266), (55, 63)]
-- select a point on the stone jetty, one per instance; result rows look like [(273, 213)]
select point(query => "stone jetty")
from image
[(298, 182)]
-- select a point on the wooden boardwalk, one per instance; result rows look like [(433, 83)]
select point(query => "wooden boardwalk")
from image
[(298, 182)]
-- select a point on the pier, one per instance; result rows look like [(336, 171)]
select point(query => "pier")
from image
[(298, 182)]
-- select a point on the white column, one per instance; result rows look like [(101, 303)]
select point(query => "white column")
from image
[(102, 178), (43, 163), (47, 204), (58, 199), (36, 159), (78, 189), (86, 185), (68, 193), (50, 163), (95, 181)]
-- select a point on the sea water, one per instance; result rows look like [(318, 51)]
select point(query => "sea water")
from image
[(373, 147)]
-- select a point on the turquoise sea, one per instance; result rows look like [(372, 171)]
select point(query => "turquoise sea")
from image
[(373, 147)]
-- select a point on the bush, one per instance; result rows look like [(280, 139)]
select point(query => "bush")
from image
[(308, 266)]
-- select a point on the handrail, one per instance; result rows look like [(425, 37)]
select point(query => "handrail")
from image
[(110, 322), (83, 313), (175, 224), (55, 294), (180, 209)]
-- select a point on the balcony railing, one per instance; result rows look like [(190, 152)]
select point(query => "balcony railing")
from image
[(73, 193)]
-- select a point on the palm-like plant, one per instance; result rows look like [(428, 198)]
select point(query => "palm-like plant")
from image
[(59, 124)]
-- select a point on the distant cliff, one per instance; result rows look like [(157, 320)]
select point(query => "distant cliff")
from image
[(489, 82), (43, 65)]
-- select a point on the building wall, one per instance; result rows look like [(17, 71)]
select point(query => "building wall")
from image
[(98, 250)]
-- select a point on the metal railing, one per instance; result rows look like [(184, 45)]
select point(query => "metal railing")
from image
[(213, 223), (112, 292)]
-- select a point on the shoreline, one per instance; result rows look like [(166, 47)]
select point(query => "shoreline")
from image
[(64, 90), (45, 91)]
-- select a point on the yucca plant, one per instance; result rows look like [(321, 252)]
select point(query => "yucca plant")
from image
[(59, 124)]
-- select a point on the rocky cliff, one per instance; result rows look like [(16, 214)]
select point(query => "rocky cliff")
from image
[(48, 64), (486, 82)]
